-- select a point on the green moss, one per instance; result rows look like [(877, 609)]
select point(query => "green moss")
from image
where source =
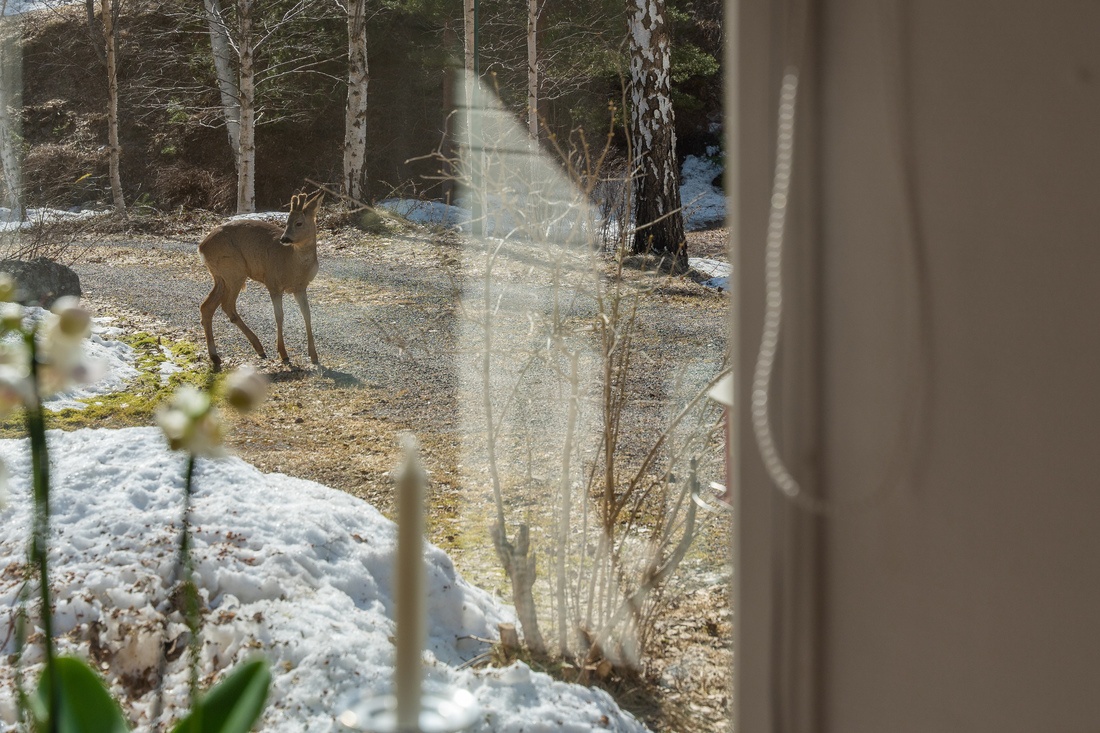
[(135, 405)]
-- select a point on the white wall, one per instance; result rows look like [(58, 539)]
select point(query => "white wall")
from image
[(967, 597)]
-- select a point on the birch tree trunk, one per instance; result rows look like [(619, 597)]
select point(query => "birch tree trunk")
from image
[(355, 120), (10, 93), (450, 94), (110, 46), (227, 79), (468, 28), (533, 68), (246, 172), (659, 227), (473, 128), (469, 41)]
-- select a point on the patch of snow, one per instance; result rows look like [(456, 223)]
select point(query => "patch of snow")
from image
[(704, 205), (8, 221), (111, 361), (168, 367), (717, 272), (427, 212), (17, 7), (290, 569), (276, 216)]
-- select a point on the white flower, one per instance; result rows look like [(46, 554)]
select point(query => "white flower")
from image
[(61, 347), (67, 322), (191, 424), (207, 437), (191, 401), (174, 424), (15, 387), (245, 388), (14, 354)]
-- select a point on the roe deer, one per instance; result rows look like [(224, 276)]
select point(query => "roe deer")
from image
[(283, 260)]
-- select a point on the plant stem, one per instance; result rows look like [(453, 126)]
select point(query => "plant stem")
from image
[(190, 596), (40, 472), (21, 643), (566, 502)]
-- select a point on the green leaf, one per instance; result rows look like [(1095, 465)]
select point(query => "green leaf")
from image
[(84, 705), (233, 705)]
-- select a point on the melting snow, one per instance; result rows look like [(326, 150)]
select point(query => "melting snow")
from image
[(287, 568)]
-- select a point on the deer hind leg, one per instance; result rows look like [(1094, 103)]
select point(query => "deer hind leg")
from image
[(303, 305), (277, 304), (229, 305), (207, 310)]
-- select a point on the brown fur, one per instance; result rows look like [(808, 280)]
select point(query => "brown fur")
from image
[(285, 260)]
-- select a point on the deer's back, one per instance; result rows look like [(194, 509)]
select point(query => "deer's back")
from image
[(248, 248)]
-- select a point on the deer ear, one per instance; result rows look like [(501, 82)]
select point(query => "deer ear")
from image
[(311, 206)]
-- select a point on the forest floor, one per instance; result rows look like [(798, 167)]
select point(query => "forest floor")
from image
[(339, 424)]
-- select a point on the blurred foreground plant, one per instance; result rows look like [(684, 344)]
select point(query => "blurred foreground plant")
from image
[(193, 424), (38, 359)]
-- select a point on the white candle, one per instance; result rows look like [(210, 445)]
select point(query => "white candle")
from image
[(411, 590)]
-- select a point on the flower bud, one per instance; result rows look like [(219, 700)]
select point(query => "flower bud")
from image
[(11, 315), (7, 287), (245, 389), (191, 424), (72, 320), (174, 424)]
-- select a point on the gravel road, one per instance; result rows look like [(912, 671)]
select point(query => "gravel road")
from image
[(387, 312), (362, 308)]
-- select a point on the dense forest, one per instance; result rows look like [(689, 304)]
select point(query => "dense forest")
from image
[(172, 145)]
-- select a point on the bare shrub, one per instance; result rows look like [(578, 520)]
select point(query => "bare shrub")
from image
[(56, 236), (63, 175), (611, 199), (194, 187), (566, 413)]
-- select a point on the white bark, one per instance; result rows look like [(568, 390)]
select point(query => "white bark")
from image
[(10, 92), (533, 68), (110, 44), (246, 172), (227, 79), (355, 119), (468, 27), (660, 227), (472, 100)]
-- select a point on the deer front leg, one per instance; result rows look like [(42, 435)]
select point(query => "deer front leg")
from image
[(303, 305), (277, 304)]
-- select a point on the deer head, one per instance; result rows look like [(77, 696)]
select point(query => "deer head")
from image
[(301, 223)]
